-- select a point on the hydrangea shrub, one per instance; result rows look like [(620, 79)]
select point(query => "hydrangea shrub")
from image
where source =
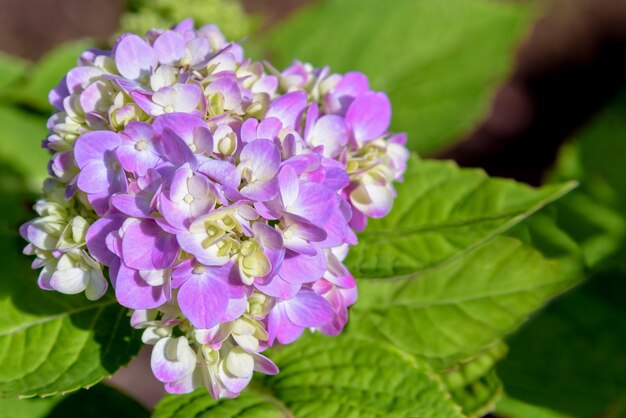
[(217, 196)]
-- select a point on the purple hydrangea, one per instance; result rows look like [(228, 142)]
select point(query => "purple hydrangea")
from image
[(219, 195)]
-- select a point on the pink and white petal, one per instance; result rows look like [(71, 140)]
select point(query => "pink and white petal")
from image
[(172, 359), (372, 200), (289, 185), (186, 384)]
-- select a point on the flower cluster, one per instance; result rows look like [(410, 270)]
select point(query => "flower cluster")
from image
[(219, 194)]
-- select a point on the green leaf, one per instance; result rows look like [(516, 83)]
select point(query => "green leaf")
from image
[(48, 71), (51, 343), (449, 313), (441, 213), (101, 401), (439, 61), (12, 69), (21, 134), (473, 382), (328, 377), (571, 357)]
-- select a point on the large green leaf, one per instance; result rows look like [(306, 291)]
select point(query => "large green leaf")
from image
[(101, 401), (328, 377), (571, 357), (21, 134), (441, 213), (449, 313), (439, 61), (473, 382), (50, 343)]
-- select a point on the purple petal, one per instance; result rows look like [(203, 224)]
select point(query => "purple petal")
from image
[(229, 89), (332, 132), (280, 327), (94, 178), (145, 246), (369, 116), (58, 94), (92, 146), (261, 190), (183, 124), (315, 203), (264, 365), (170, 47), (176, 149), (203, 301), (301, 268), (269, 128), (262, 157), (279, 288), (133, 292), (289, 185), (134, 57), (221, 172), (351, 85), (96, 238), (288, 108), (80, 77), (307, 309)]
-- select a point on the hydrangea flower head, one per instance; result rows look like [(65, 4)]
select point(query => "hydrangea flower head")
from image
[(218, 195)]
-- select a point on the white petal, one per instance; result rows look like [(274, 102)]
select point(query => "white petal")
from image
[(239, 363), (97, 285), (69, 281)]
